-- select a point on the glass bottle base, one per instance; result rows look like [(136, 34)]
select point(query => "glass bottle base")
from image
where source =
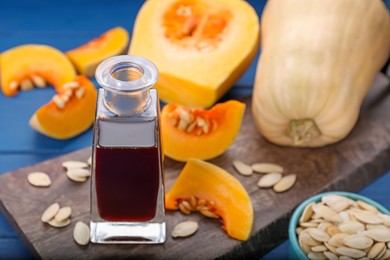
[(127, 233)]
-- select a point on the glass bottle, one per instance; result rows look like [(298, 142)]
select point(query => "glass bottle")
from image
[(127, 188)]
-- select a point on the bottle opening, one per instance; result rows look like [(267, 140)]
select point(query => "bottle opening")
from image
[(127, 71)]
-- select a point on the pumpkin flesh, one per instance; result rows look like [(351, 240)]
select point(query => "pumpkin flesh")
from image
[(24, 61), (209, 182), (200, 47), (87, 57)]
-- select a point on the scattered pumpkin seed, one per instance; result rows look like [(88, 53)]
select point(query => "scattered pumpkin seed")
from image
[(81, 233), (269, 180), (50, 212), (185, 229), (242, 168), (285, 183), (39, 179), (74, 164), (267, 168), (60, 224), (75, 177), (63, 213)]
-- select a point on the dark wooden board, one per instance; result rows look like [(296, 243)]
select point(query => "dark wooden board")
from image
[(348, 165)]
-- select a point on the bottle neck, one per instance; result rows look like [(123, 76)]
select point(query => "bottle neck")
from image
[(126, 103)]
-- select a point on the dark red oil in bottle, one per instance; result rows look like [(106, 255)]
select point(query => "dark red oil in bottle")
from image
[(127, 183)]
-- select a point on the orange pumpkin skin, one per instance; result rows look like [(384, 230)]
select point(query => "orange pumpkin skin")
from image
[(206, 181), (22, 62), (87, 57), (224, 124), (76, 116)]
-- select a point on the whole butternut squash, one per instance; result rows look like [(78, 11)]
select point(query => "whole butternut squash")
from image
[(318, 60)]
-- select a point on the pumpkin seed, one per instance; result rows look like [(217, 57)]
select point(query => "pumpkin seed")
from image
[(298, 230), (39, 179), (351, 227), (242, 168), (366, 206), (285, 183), (63, 213), (380, 235), (332, 198), (386, 255), (330, 255), (344, 216), (323, 226), (318, 234), (319, 248), (331, 248), (332, 230), (337, 240), (368, 217), (26, 84), (184, 209), (205, 128), (71, 85), (191, 127), (50, 212), (269, 180), (185, 229), (369, 226), (343, 257), (308, 240), (81, 233), (208, 213), (358, 241), (308, 224), (38, 81), (379, 256), (58, 101), (80, 93), (80, 172), (74, 164), (187, 205), (57, 224), (14, 85), (89, 161), (73, 175), (351, 252), (375, 250), (316, 256), (267, 168), (326, 213), (340, 205), (385, 219), (305, 248), (182, 125)]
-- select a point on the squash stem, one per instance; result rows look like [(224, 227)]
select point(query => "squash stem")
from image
[(302, 130)]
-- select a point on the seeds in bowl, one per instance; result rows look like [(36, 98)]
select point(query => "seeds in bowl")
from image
[(340, 228)]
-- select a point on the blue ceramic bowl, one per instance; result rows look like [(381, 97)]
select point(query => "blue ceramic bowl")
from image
[(295, 251)]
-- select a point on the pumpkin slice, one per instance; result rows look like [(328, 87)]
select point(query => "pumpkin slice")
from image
[(87, 57), (200, 47), (24, 66), (197, 133), (224, 195), (70, 112)]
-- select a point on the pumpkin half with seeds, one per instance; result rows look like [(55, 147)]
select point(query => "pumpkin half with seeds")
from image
[(24, 66), (70, 112), (200, 47), (210, 190), (197, 133)]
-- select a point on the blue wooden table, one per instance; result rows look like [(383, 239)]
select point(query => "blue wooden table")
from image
[(66, 25)]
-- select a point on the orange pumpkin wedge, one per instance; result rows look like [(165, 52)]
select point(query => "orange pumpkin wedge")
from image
[(224, 195), (197, 133), (24, 66), (69, 113), (87, 57)]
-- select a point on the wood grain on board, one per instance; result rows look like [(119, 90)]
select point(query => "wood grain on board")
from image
[(348, 165)]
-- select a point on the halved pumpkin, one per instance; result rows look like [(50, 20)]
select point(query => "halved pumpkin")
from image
[(197, 133), (70, 112), (224, 195), (200, 47), (87, 57), (30, 64)]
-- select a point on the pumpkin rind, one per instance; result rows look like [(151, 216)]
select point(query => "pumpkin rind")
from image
[(76, 117), (23, 61), (191, 74), (87, 57), (181, 145), (210, 182), (318, 60)]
